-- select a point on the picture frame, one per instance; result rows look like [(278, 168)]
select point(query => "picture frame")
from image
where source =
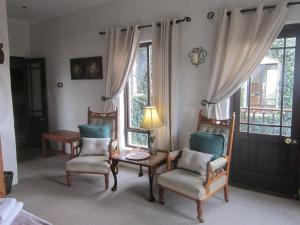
[(86, 68)]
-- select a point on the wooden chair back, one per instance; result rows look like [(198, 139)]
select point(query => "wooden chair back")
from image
[(219, 126), (110, 118)]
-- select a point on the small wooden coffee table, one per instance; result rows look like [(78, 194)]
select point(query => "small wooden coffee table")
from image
[(152, 164), (62, 136)]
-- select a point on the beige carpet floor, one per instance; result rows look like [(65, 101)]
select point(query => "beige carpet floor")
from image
[(43, 190)]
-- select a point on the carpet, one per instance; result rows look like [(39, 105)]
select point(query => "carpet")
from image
[(42, 188)]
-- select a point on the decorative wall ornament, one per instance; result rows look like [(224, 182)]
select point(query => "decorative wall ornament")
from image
[(197, 56), (210, 15), (1, 54)]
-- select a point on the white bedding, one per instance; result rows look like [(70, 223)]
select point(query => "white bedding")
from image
[(26, 218)]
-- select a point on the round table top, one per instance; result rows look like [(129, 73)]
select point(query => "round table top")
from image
[(137, 155)]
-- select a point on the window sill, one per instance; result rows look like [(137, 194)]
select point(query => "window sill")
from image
[(126, 149)]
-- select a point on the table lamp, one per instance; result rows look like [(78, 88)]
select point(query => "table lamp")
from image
[(151, 121)]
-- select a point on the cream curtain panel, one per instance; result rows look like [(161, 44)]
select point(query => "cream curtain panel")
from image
[(165, 59), (243, 41), (122, 48)]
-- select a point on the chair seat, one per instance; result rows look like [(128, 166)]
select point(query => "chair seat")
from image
[(89, 164), (183, 181)]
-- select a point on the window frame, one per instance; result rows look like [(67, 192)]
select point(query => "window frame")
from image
[(127, 128)]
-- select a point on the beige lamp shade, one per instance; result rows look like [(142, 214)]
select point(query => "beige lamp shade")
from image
[(151, 119)]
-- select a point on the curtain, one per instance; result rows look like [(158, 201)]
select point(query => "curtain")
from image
[(122, 48), (243, 41), (165, 59)]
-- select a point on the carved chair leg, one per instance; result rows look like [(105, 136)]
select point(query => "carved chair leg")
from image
[(117, 169), (199, 211), (161, 194), (68, 176), (106, 176), (226, 193)]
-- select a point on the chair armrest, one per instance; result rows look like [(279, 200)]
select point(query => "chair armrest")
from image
[(76, 149), (114, 147), (218, 163), (215, 170), (173, 157)]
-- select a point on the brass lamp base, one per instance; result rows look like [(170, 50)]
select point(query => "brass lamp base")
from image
[(152, 150)]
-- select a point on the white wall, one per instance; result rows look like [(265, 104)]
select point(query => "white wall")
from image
[(76, 35), (6, 110), (19, 37)]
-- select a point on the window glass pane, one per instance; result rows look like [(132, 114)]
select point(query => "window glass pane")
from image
[(286, 131), (265, 93), (243, 128), (138, 139), (278, 43), (138, 88), (244, 103), (288, 87), (291, 42), (264, 130)]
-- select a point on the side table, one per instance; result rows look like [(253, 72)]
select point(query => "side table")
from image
[(62, 136), (152, 164)]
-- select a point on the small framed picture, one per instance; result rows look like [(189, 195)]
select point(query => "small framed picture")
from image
[(93, 68), (86, 68), (77, 69)]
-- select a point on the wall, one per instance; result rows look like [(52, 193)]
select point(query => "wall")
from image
[(6, 111), (76, 35), (19, 37)]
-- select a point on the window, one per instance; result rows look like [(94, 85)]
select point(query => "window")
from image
[(266, 99), (137, 97)]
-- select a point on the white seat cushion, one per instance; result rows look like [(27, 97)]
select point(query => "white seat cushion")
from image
[(92, 164), (183, 181)]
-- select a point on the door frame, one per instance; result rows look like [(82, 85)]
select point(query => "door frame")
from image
[(288, 30)]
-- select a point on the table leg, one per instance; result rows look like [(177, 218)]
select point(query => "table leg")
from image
[(44, 147), (151, 174), (141, 172), (113, 166), (63, 145)]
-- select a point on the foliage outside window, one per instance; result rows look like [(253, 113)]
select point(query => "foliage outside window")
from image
[(137, 97), (267, 97)]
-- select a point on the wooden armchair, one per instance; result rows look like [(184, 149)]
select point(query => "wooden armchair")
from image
[(95, 164), (192, 185)]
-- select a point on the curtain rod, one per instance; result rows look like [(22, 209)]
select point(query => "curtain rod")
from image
[(185, 19), (266, 7)]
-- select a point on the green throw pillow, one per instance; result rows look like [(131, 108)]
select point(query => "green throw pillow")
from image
[(95, 131), (209, 143)]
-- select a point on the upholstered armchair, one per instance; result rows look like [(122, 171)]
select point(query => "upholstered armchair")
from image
[(95, 164), (200, 186)]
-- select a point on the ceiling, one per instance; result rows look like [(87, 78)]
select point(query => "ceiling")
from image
[(38, 10)]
